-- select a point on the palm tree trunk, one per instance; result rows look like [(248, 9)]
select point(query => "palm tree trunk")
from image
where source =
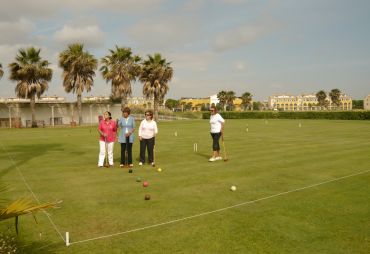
[(123, 102), (156, 102), (32, 104), (79, 108)]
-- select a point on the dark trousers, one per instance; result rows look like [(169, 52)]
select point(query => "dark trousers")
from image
[(127, 146), (216, 139), (149, 145)]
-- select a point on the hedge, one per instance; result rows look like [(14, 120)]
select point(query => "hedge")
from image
[(331, 115)]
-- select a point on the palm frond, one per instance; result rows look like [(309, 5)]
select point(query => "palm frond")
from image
[(24, 206), (120, 68), (78, 68)]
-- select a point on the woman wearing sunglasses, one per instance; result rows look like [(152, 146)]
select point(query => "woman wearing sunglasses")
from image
[(147, 131)]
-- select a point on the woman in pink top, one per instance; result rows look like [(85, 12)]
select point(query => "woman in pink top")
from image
[(147, 131), (108, 132)]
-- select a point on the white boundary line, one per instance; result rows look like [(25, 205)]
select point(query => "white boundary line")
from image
[(33, 194), (221, 209)]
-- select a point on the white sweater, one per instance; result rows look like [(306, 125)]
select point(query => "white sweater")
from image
[(216, 123), (148, 129)]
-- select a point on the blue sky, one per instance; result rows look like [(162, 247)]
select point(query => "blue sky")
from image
[(261, 46)]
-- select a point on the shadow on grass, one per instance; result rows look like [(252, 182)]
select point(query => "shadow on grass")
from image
[(203, 155), (21, 154)]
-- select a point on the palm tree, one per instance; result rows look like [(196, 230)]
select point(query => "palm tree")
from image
[(1, 71), (78, 72), (32, 74), (246, 100), (335, 96), (221, 96), (230, 97), (321, 98), (121, 68), (21, 207), (155, 75), (182, 104)]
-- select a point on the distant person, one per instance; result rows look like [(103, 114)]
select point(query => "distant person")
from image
[(147, 131), (217, 130), (108, 133), (126, 136)]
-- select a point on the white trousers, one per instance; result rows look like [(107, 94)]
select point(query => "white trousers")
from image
[(102, 153)]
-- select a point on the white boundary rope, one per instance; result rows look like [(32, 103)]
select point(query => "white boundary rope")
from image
[(30, 190), (219, 210)]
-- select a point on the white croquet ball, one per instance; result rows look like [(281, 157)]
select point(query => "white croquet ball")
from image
[(233, 188)]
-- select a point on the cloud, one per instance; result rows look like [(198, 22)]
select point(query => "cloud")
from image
[(12, 9), (231, 1), (90, 36), (165, 32), (240, 36), (239, 65), (191, 62), (13, 32)]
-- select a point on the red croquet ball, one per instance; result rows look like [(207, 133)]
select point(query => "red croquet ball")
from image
[(145, 184)]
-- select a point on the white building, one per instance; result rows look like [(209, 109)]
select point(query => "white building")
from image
[(213, 99), (287, 102), (367, 102), (50, 111), (54, 110)]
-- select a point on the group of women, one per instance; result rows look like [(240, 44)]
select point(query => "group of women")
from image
[(108, 129)]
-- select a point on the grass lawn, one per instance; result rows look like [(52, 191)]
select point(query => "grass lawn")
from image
[(272, 157)]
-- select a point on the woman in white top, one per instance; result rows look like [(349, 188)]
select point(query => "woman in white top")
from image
[(217, 129), (147, 131)]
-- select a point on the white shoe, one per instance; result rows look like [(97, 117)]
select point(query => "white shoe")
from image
[(140, 163), (212, 159), (218, 158)]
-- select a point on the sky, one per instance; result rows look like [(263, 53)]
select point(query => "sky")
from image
[(264, 47)]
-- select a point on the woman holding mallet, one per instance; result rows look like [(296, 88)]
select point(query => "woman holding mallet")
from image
[(217, 129)]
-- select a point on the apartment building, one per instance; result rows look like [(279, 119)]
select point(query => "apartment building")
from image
[(305, 102)]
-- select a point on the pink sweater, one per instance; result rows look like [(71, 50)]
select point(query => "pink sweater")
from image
[(109, 128)]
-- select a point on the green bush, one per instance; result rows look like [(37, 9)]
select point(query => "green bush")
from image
[(330, 115)]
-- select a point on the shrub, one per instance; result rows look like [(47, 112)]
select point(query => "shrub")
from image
[(331, 115)]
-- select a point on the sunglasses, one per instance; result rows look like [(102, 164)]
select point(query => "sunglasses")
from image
[(148, 115)]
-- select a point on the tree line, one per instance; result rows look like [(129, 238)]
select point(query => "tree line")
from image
[(120, 67), (226, 102)]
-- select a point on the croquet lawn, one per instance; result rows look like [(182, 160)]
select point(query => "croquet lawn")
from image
[(303, 186)]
